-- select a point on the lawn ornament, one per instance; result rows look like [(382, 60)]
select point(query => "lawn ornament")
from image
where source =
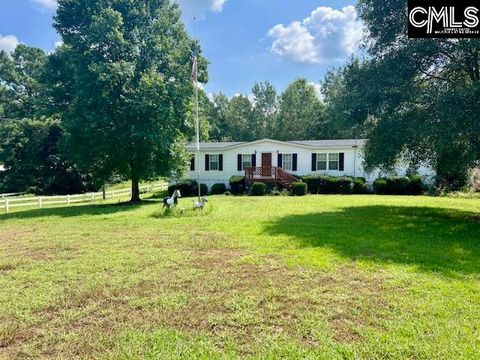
[(199, 205), (169, 202)]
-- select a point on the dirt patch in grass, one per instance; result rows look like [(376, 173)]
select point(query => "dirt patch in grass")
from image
[(242, 300), (214, 292), (9, 235)]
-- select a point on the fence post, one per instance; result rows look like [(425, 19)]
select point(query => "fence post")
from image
[(39, 202), (6, 205), (113, 194), (92, 197), (68, 199)]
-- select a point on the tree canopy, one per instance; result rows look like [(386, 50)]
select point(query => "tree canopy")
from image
[(20, 82), (297, 113), (416, 100), (128, 69)]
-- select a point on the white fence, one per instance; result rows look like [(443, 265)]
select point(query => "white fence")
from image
[(42, 201)]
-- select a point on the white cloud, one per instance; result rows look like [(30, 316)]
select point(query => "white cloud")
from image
[(8, 43), (326, 35), (47, 4), (200, 7), (58, 43)]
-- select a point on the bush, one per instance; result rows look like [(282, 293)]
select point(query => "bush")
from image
[(416, 186), (237, 185), (329, 184), (380, 186), (185, 187), (360, 186), (219, 189), (299, 189), (399, 185), (188, 188), (259, 189), (203, 190)]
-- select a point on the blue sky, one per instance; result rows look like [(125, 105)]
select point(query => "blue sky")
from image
[(244, 40)]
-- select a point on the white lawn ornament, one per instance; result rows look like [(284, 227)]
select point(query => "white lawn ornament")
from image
[(199, 205), (169, 202)]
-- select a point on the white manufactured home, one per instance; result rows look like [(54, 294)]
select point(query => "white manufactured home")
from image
[(280, 161)]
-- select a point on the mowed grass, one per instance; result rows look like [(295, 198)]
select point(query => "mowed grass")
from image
[(319, 277)]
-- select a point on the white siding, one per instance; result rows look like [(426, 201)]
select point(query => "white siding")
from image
[(304, 161)]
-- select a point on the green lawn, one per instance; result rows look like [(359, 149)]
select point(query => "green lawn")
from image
[(319, 277)]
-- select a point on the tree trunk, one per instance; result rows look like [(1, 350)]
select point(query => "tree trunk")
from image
[(135, 190)]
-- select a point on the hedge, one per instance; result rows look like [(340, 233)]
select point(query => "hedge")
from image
[(203, 190), (360, 186), (299, 189), (329, 184), (399, 185), (259, 189), (219, 189), (188, 188), (237, 185), (185, 187)]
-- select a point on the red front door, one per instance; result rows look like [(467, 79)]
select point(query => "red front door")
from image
[(267, 164)]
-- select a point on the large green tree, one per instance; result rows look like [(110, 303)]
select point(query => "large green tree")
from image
[(301, 113), (416, 99), (20, 82), (30, 142), (265, 110), (127, 67)]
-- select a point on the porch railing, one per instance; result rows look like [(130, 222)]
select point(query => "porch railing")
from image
[(269, 173)]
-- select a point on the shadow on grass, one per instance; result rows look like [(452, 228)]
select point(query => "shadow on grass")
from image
[(91, 210), (432, 239)]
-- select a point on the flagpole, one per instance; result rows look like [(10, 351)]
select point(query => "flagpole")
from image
[(197, 121)]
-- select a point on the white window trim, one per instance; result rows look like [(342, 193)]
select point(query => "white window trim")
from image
[(213, 162), (325, 161), (289, 162), (337, 161), (249, 157)]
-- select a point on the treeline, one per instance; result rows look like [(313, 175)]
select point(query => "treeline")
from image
[(416, 100), (113, 102), (30, 132), (296, 114)]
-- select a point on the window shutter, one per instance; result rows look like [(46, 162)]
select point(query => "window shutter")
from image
[(207, 162), (341, 162), (280, 160), (220, 162), (294, 162), (254, 160), (314, 162), (239, 162), (192, 163)]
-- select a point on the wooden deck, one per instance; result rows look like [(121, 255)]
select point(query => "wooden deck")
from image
[(269, 174)]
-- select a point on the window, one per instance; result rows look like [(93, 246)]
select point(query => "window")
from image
[(246, 161), (214, 162), (333, 161), (287, 162), (322, 162), (192, 163)]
